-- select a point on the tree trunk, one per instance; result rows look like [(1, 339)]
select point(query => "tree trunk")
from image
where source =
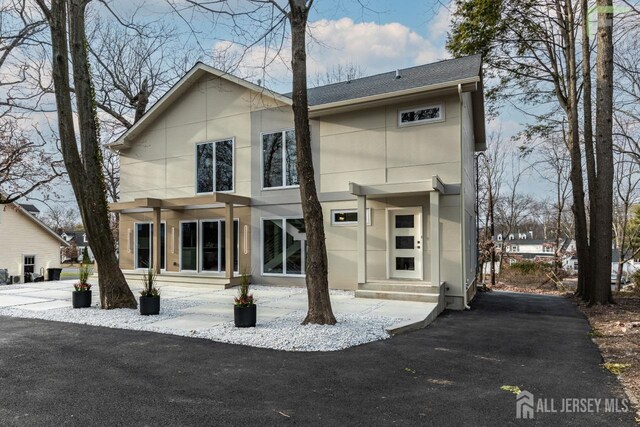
[(570, 105), (85, 173), (319, 311), (588, 135), (604, 153), (493, 231)]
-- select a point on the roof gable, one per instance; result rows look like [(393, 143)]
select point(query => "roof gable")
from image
[(180, 88), (22, 211)]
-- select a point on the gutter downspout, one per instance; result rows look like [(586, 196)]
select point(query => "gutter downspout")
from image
[(463, 233)]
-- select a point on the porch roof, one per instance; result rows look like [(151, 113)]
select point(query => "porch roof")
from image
[(398, 189), (196, 202)]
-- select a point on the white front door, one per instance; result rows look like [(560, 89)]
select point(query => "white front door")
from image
[(405, 243)]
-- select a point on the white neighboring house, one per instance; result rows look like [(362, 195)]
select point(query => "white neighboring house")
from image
[(28, 245), (81, 242)]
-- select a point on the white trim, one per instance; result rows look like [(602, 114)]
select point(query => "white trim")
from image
[(215, 165), (348, 223), (424, 121), (284, 248), (284, 158)]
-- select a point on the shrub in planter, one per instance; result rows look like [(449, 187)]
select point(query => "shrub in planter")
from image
[(81, 296), (150, 295), (244, 309)]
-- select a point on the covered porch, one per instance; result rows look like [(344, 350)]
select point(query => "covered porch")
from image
[(406, 270), (169, 216)]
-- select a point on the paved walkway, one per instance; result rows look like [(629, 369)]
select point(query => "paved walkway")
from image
[(447, 374), (201, 307)]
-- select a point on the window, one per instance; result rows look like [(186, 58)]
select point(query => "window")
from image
[(284, 246), (279, 159), (189, 246), (426, 114), (347, 216), (214, 166), (144, 245), (212, 245)]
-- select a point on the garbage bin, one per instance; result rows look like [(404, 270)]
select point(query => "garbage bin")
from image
[(53, 274)]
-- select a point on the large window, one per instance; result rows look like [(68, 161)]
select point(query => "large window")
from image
[(431, 113), (279, 159), (202, 247), (212, 247), (144, 245), (284, 246), (214, 166)]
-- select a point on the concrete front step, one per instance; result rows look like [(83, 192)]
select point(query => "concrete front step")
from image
[(422, 288), (396, 295), (175, 279)]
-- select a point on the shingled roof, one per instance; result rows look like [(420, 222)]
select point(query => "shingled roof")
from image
[(409, 78)]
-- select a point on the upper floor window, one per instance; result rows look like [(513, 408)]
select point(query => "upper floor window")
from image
[(279, 159), (419, 115), (214, 166)]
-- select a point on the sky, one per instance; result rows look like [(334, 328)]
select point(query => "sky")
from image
[(376, 35)]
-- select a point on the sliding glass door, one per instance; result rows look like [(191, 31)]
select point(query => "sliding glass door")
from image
[(202, 246), (212, 246), (144, 246)]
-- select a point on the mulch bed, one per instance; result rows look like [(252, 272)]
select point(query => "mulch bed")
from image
[(616, 331)]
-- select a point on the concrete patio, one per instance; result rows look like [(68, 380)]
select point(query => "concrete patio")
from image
[(195, 309)]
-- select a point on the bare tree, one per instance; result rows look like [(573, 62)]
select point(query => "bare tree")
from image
[(338, 73), (490, 177), (26, 162), (552, 165), (66, 19), (61, 219)]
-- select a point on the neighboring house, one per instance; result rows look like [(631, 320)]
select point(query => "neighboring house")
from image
[(78, 238), (211, 166), (28, 245), (522, 246)]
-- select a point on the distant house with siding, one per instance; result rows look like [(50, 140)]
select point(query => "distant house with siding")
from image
[(28, 245)]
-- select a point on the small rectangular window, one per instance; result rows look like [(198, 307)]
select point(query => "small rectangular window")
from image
[(214, 175), (419, 115), (347, 216)]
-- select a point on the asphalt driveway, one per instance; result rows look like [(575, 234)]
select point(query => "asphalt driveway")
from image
[(448, 374)]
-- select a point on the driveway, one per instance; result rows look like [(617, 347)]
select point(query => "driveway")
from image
[(448, 374)]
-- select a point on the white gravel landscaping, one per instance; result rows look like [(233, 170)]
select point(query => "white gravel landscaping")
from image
[(206, 313)]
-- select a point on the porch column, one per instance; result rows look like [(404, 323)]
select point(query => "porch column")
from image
[(229, 240), (156, 241), (434, 225), (362, 239)]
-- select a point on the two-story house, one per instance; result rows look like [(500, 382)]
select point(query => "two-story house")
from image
[(209, 182)]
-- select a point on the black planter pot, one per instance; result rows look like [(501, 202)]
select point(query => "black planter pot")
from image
[(81, 299), (244, 317), (149, 305)]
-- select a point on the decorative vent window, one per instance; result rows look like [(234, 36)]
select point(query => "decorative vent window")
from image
[(279, 159), (431, 113), (347, 217), (214, 166)]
